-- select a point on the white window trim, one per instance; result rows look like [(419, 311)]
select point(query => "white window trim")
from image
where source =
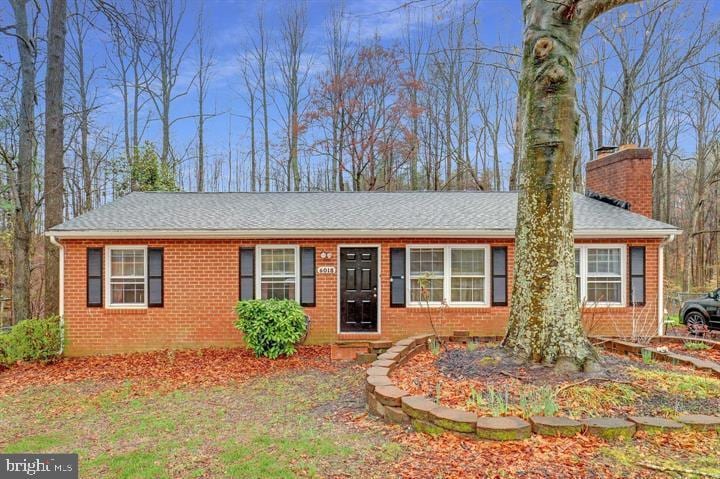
[(108, 269), (447, 276), (583, 247), (258, 268)]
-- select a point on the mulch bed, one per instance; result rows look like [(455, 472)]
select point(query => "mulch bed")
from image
[(620, 389), (706, 354), (163, 369)]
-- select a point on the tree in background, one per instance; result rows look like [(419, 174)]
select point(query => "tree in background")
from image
[(54, 158), (544, 323), (20, 164), (148, 173)]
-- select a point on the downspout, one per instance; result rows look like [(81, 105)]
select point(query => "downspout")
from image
[(661, 284), (61, 288)]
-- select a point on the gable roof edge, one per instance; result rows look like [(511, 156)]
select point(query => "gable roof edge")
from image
[(355, 233)]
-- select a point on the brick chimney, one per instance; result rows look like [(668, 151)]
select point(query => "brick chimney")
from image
[(623, 174)]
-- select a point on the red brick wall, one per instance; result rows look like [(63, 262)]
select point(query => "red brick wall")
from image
[(201, 288), (625, 175)]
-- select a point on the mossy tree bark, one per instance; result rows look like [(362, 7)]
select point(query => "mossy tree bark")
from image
[(544, 321)]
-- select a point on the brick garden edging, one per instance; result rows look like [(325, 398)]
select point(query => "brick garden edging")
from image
[(626, 347), (386, 400)]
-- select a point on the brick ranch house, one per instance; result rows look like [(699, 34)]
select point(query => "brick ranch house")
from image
[(164, 270)]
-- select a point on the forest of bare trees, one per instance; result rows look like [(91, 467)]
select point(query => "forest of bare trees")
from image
[(325, 106)]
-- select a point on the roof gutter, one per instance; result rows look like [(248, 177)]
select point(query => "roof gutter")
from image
[(61, 289), (661, 284), (331, 233)]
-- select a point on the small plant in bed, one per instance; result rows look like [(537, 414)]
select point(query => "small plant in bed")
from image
[(696, 346), (271, 327)]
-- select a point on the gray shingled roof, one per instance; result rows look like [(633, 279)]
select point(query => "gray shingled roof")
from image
[(328, 212)]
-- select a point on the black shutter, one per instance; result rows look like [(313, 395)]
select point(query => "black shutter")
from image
[(499, 275), (94, 277), (637, 275), (247, 273), (307, 276), (156, 271), (397, 277)]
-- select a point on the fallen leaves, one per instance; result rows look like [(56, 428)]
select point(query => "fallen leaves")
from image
[(163, 370)]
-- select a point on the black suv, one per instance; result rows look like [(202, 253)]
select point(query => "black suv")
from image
[(702, 314)]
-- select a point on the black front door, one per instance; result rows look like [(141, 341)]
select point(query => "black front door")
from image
[(358, 289)]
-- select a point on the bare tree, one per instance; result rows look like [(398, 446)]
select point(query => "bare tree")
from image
[(20, 166), (251, 96), (260, 56), (54, 150), (168, 51), (205, 62), (294, 74)]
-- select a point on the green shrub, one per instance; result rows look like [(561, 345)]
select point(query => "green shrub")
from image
[(271, 327), (31, 340)]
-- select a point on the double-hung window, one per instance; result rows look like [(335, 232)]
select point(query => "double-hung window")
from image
[(278, 268), (453, 274), (127, 279), (600, 273), (467, 275), (427, 275)]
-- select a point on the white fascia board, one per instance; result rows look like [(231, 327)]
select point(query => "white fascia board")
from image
[(374, 233)]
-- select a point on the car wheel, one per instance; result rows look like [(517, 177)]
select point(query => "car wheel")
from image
[(695, 322)]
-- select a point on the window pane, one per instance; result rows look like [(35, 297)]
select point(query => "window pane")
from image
[(468, 261), (604, 260), (127, 262), (127, 292), (422, 290), (467, 290), (427, 260), (604, 290), (277, 262), (277, 289)]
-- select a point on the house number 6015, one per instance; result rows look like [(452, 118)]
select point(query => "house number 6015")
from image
[(326, 270)]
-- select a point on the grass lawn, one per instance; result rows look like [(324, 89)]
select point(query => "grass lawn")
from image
[(306, 422)]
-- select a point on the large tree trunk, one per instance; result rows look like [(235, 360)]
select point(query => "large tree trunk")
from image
[(544, 321), (54, 133), (23, 185)]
